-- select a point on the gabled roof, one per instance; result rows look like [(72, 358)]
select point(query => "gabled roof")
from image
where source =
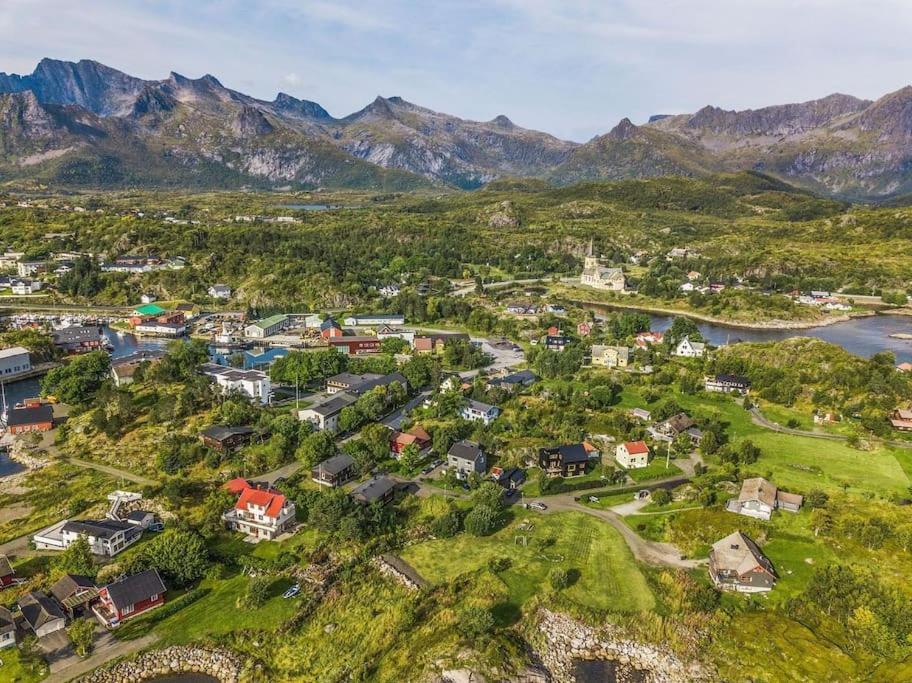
[(481, 407), (28, 416), (373, 489), (272, 502), (72, 584), (758, 488), (270, 321), (329, 323), (680, 422), (466, 450), (237, 485), (220, 433), (7, 622), (636, 447), (135, 588), (6, 569), (419, 433), (739, 554), (149, 309), (38, 609), (335, 465)]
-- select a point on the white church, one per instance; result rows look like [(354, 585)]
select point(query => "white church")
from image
[(599, 276)]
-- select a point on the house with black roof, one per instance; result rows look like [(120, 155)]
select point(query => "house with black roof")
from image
[(74, 593), (129, 597), (727, 384), (565, 461), (41, 613), (465, 458), (514, 382), (226, 439), (334, 471), (36, 418), (377, 490), (105, 537)]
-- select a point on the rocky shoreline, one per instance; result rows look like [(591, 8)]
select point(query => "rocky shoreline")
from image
[(178, 659), (568, 642)]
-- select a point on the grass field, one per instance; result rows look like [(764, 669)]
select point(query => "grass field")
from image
[(654, 470), (802, 463), (608, 576)]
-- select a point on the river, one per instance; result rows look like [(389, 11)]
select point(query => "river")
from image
[(861, 336)]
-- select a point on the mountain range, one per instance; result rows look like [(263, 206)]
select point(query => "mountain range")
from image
[(84, 124)]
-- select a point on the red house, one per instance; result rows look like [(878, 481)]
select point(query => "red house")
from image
[(355, 346), (38, 418), (7, 573), (129, 597), (416, 435)]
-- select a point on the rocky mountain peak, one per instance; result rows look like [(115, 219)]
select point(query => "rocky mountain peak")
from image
[(624, 130), (250, 122), (502, 121), (288, 104)]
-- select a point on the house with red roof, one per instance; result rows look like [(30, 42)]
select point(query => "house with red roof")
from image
[(632, 455), (416, 435), (259, 513)]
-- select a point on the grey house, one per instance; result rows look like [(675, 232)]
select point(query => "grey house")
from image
[(466, 457)]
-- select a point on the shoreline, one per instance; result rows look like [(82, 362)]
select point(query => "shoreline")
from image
[(734, 324)]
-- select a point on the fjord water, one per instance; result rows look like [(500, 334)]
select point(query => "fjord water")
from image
[(860, 336)]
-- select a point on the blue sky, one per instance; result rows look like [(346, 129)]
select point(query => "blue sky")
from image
[(572, 67)]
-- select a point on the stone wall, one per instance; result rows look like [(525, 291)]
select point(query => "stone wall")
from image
[(567, 641), (178, 659)]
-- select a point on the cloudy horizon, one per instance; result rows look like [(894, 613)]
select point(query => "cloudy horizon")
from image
[(572, 68)]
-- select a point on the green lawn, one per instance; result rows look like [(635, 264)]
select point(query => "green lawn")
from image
[(802, 463), (654, 470), (14, 669), (608, 575)]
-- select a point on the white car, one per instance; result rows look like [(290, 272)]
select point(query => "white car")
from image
[(593, 499), (291, 592), (538, 506)]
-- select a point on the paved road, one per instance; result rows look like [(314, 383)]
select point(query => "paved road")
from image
[(107, 648), (761, 420)]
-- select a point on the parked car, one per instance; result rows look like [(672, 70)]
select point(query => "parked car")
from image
[(157, 526), (641, 494), (291, 592), (535, 505), (593, 499)]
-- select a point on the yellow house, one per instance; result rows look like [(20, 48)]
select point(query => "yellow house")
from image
[(610, 356)]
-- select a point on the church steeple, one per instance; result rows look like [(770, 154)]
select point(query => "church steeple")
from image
[(589, 253)]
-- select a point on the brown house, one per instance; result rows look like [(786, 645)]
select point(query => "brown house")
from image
[(736, 564), (901, 419), (226, 439)]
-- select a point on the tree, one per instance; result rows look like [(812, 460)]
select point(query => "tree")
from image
[(490, 495), (661, 497), (709, 443), (447, 525), (179, 556), (482, 520), (393, 345), (81, 633), (76, 559), (315, 448), (213, 508), (181, 360), (816, 499), (409, 458), (257, 592), (682, 445), (77, 381)]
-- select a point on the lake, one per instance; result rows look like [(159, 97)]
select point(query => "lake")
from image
[(861, 336)]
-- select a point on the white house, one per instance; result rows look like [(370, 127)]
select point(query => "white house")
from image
[(158, 329), (220, 291), (24, 287), (26, 268), (325, 415), (7, 628), (759, 497), (477, 411), (373, 319), (632, 455), (262, 514), (387, 332), (147, 298), (14, 361), (252, 383), (689, 349), (105, 537)]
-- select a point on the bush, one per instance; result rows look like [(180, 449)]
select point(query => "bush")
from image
[(482, 520), (559, 578), (447, 525), (661, 497), (257, 592), (475, 622), (82, 633)]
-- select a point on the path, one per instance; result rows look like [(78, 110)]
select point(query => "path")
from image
[(112, 471), (468, 289), (761, 420), (107, 649)]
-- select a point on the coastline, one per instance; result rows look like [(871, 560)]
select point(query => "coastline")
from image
[(735, 324)]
